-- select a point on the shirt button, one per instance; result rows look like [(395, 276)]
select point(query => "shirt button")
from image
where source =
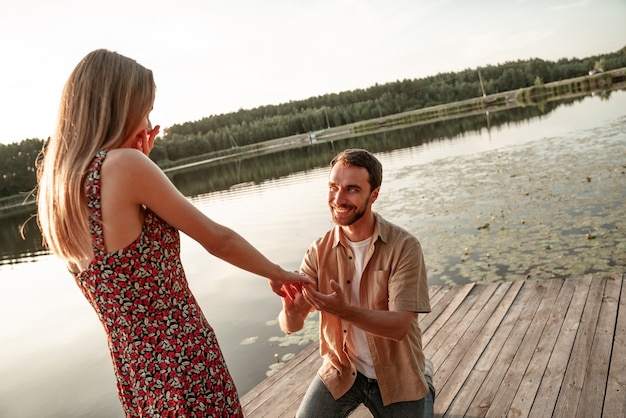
[(345, 331)]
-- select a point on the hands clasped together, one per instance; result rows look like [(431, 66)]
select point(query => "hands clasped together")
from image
[(289, 285), (298, 296)]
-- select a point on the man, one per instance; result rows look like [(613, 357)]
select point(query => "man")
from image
[(371, 285)]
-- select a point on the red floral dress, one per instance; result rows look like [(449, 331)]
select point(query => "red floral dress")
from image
[(166, 358)]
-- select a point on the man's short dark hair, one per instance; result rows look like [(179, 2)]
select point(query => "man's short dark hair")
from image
[(361, 158)]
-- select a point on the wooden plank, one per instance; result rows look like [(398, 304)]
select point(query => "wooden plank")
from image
[(289, 400), (501, 404), (435, 293), (452, 313), (615, 399), (463, 397), (440, 313), (484, 398), (525, 396), (447, 359), (271, 393), (548, 391), (571, 389), (470, 347), (592, 396), (361, 412)]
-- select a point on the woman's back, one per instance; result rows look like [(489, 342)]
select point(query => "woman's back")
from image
[(165, 354)]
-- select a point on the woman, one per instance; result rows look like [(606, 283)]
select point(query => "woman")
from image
[(111, 213)]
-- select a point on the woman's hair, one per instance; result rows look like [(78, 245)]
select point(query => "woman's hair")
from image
[(364, 159), (105, 98)]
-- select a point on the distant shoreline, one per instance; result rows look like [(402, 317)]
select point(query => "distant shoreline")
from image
[(490, 103)]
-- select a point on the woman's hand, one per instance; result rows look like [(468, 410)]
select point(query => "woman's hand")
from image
[(289, 284), (144, 141)]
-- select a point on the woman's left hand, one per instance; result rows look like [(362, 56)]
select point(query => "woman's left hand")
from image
[(145, 140)]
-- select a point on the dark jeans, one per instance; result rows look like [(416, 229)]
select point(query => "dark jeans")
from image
[(319, 403)]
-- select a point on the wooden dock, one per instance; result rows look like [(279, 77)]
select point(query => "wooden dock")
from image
[(536, 348)]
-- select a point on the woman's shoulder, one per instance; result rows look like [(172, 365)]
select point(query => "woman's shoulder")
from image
[(131, 170), (122, 154), (126, 160)]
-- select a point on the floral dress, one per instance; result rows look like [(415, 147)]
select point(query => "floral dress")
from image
[(165, 355)]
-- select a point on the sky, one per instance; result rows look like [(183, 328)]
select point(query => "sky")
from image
[(213, 57)]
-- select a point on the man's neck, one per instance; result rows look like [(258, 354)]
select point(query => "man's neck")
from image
[(361, 229)]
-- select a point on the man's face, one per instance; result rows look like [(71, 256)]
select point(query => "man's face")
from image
[(349, 195)]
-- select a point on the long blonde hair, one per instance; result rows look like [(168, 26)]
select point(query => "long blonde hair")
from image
[(105, 98)]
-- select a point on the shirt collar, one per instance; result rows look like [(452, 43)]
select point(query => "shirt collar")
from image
[(381, 231)]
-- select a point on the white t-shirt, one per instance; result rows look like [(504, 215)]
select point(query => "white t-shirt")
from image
[(358, 349)]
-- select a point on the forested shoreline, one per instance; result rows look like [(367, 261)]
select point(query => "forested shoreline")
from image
[(223, 132)]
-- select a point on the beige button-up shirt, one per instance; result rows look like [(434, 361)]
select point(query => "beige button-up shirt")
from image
[(394, 279)]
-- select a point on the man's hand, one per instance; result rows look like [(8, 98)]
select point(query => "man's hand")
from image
[(387, 324), (333, 303), (295, 308)]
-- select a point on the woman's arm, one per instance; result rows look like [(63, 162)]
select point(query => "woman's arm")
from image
[(141, 182)]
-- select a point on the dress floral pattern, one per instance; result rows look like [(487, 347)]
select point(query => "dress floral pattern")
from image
[(165, 354)]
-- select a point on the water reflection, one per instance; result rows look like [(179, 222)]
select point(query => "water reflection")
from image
[(254, 169), (20, 239)]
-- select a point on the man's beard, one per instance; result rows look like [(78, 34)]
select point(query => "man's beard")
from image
[(347, 221)]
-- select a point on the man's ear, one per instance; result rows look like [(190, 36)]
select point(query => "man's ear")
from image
[(374, 195)]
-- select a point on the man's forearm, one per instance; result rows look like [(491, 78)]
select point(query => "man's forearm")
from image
[(291, 322), (387, 324)]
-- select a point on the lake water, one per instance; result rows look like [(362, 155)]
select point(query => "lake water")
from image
[(530, 194)]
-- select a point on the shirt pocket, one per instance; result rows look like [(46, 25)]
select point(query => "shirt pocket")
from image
[(378, 290)]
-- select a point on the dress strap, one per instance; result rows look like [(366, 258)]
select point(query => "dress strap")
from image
[(92, 195)]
